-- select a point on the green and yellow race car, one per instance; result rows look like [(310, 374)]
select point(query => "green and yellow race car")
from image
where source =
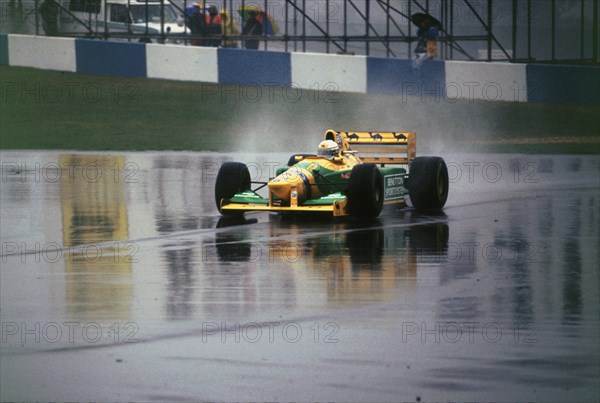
[(349, 175)]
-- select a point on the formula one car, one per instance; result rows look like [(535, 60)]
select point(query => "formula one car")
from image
[(348, 176)]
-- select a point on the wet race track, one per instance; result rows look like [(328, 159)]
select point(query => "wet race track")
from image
[(119, 281)]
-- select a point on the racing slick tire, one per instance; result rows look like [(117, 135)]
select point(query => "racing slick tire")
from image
[(428, 183), (365, 191), (233, 177), (292, 160)]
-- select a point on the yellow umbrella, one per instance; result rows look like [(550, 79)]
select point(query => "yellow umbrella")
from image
[(270, 27)]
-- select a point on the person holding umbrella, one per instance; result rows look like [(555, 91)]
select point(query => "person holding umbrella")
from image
[(253, 28), (427, 35), (256, 24)]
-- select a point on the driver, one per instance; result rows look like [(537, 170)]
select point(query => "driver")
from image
[(328, 149)]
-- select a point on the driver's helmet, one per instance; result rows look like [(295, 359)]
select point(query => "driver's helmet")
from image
[(328, 148)]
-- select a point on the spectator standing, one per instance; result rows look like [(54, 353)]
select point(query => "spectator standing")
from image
[(253, 27), (214, 26), (196, 25), (16, 19), (230, 28), (427, 35), (49, 12)]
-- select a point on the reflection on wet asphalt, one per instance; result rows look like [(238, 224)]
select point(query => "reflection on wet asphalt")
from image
[(120, 281)]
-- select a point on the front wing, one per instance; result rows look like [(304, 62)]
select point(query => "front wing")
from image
[(335, 204), (338, 207)]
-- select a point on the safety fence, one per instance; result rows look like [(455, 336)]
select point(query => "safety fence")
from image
[(521, 31)]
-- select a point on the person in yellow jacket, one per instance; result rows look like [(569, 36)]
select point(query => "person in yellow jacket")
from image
[(230, 28)]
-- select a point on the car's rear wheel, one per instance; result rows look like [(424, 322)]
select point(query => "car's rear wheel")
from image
[(233, 177), (365, 191), (428, 183)]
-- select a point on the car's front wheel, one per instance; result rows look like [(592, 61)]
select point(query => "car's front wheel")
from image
[(365, 191), (428, 183), (233, 177)]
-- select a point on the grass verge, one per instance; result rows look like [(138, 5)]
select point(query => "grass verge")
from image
[(59, 110)]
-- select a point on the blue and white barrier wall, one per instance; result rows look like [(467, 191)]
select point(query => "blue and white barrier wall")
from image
[(41, 52), (448, 80)]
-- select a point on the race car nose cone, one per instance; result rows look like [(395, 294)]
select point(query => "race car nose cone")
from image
[(282, 185)]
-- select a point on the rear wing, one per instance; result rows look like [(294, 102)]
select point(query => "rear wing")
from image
[(378, 147)]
